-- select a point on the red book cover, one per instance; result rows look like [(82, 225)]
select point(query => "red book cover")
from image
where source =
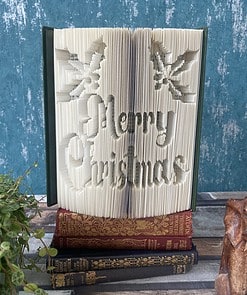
[(71, 224), (134, 242)]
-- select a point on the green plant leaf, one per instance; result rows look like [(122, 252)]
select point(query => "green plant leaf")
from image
[(5, 246), (13, 206), (17, 277), (25, 236), (17, 209), (11, 234), (1, 255), (39, 233), (30, 287), (6, 222), (52, 252), (50, 268), (43, 252), (2, 278)]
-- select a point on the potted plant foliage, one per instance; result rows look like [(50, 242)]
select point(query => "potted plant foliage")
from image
[(16, 211)]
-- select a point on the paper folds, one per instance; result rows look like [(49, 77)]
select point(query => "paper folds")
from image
[(126, 113)]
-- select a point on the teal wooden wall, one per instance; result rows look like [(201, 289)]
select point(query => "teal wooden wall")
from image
[(223, 156)]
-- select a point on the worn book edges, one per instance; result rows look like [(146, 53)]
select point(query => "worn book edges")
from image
[(167, 232), (121, 119), (131, 242), (73, 279), (71, 260)]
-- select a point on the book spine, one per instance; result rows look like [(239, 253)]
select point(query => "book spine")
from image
[(77, 264), (135, 243), (72, 279), (79, 225)]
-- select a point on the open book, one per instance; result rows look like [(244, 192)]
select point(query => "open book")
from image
[(121, 112)]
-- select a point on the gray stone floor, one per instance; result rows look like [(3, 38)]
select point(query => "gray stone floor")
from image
[(152, 292)]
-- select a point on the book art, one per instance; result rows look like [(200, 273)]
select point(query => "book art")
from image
[(123, 111)]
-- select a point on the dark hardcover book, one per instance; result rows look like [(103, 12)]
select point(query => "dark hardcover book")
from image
[(84, 259), (72, 279)]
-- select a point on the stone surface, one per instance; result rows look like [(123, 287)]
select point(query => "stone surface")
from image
[(208, 221), (151, 292), (162, 292), (202, 276), (51, 292)]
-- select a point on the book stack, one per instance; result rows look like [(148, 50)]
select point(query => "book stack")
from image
[(97, 249), (166, 232), (122, 112)]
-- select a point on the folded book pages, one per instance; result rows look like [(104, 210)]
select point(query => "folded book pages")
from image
[(122, 109)]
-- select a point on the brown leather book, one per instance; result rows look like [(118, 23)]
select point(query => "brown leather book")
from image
[(71, 224), (132, 242), (167, 232)]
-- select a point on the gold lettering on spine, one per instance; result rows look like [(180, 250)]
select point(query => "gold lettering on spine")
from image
[(90, 277)]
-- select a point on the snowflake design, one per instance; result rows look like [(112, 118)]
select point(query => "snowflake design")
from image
[(169, 73)]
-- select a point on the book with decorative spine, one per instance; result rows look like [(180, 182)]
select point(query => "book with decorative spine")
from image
[(71, 260), (167, 232), (122, 112), (83, 278)]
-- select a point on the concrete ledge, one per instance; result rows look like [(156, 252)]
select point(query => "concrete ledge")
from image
[(202, 276)]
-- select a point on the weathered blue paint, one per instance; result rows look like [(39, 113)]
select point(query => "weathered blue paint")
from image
[(223, 155)]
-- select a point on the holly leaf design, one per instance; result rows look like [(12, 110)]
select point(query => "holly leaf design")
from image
[(169, 73), (79, 77)]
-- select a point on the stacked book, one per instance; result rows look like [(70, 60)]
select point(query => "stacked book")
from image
[(97, 249), (122, 115)]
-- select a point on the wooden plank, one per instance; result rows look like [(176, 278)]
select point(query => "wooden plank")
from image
[(209, 248)]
